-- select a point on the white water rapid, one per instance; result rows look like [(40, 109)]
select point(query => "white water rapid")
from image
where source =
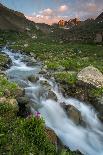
[(89, 139)]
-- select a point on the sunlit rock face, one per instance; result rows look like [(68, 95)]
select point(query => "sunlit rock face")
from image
[(70, 23)]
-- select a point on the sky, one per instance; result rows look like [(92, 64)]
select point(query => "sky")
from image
[(51, 11)]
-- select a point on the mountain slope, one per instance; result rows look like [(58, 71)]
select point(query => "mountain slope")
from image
[(13, 20)]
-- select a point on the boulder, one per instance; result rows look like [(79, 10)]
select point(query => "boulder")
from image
[(99, 38), (33, 78), (74, 114), (91, 75)]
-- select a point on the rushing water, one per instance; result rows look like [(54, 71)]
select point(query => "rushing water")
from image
[(89, 139)]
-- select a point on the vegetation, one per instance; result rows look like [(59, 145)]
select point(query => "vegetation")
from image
[(22, 136), (25, 136), (68, 77), (6, 86), (97, 92)]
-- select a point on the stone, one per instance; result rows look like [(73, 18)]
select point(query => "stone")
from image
[(51, 135), (24, 109), (5, 61), (91, 75), (19, 92), (45, 85), (33, 78), (52, 95), (74, 114), (43, 71), (26, 45), (99, 38), (7, 93), (2, 99), (12, 102), (23, 100)]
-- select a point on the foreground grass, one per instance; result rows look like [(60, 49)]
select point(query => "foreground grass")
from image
[(22, 136)]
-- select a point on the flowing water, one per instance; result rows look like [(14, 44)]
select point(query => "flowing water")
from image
[(89, 139)]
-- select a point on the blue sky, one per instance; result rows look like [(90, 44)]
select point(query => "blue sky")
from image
[(50, 11)]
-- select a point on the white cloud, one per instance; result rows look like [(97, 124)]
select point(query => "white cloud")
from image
[(63, 8), (80, 9), (46, 12)]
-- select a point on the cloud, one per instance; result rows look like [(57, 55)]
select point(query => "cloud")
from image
[(47, 12), (81, 9), (46, 19), (63, 8), (91, 7)]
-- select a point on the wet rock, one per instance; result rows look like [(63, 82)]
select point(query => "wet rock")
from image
[(52, 95), (74, 114), (5, 61), (33, 78), (23, 100), (45, 85), (32, 55), (43, 71), (51, 135), (91, 75)]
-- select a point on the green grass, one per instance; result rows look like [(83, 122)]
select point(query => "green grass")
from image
[(5, 85), (97, 92), (22, 136), (69, 78)]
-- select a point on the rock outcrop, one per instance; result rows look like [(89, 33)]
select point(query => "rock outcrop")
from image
[(70, 23)]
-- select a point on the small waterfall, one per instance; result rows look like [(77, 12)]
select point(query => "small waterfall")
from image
[(87, 139)]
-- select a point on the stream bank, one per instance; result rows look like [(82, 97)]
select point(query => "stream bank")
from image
[(40, 100)]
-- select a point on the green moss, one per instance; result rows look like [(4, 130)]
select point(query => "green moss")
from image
[(3, 60)]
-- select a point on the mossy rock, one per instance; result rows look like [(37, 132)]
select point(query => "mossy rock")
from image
[(5, 61)]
